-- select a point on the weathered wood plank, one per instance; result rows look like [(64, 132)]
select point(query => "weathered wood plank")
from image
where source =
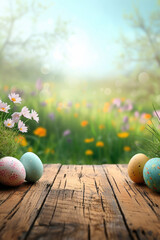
[(5, 193), (80, 202), (138, 205), (18, 211), (115, 225), (60, 231), (80, 205), (152, 198)]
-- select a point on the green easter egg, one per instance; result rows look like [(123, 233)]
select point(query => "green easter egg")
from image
[(33, 166)]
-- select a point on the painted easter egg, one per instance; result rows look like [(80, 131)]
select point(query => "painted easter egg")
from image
[(135, 167), (33, 166), (151, 174), (12, 171)]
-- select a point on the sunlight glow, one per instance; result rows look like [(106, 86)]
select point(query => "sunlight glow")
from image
[(58, 54), (81, 56)]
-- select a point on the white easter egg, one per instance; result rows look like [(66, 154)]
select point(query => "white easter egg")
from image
[(12, 171)]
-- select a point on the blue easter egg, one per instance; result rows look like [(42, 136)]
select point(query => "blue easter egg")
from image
[(33, 166), (151, 174)]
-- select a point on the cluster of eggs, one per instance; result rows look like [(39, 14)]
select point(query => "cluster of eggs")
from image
[(14, 172), (142, 169)]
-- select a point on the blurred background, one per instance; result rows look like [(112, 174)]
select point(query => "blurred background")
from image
[(90, 68)]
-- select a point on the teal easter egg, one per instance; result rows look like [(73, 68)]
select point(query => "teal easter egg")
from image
[(33, 166), (151, 174)]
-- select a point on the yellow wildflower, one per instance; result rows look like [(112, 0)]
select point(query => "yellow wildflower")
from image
[(101, 126), (77, 105), (49, 100), (127, 149), (113, 123), (30, 149), (76, 115), (40, 132), (89, 140), (106, 107), (99, 144), (22, 140), (123, 134), (106, 104), (132, 119), (142, 128), (89, 152), (60, 104), (147, 116), (59, 109), (5, 88), (84, 123), (47, 150), (149, 122)]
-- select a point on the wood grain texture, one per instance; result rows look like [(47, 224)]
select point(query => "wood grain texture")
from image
[(84, 202), (138, 204), (18, 211), (82, 205)]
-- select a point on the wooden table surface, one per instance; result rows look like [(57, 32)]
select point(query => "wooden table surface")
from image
[(80, 202)]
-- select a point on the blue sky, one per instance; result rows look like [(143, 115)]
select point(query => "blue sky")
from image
[(96, 27)]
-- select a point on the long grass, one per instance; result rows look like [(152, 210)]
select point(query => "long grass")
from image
[(64, 109)]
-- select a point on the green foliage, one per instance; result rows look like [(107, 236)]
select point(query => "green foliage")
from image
[(8, 145), (87, 102), (152, 146)]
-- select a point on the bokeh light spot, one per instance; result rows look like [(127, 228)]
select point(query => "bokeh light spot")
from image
[(143, 77)]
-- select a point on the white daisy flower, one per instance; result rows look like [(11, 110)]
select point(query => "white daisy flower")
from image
[(9, 123), (25, 112), (4, 107), (16, 116), (22, 127), (34, 115), (15, 98)]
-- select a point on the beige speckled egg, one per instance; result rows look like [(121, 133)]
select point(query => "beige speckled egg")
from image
[(12, 171), (135, 167)]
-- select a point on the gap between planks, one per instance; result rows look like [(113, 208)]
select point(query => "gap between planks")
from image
[(21, 206), (80, 205), (80, 202), (139, 205)]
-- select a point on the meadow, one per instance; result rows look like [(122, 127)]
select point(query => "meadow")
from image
[(81, 123)]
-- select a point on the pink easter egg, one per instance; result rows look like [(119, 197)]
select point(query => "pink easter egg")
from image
[(12, 171)]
